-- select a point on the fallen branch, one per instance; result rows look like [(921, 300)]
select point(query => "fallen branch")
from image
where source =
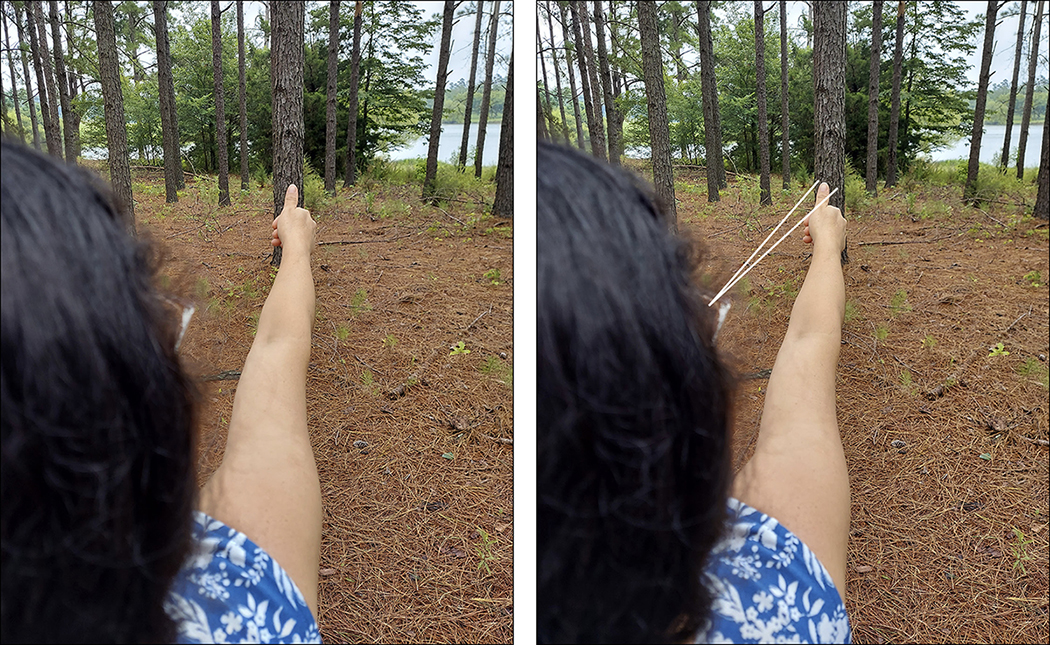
[(1041, 442), (1018, 320), (451, 216), (885, 242), (509, 442), (225, 375), (478, 318), (360, 360), (415, 377), (393, 239)]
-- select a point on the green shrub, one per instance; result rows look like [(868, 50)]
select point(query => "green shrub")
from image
[(856, 194), (314, 197)]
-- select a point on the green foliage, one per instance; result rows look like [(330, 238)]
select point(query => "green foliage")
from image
[(1033, 368), (881, 332), (1020, 550), (459, 348), (852, 311), (899, 302), (390, 341), (484, 550), (359, 302), (342, 332), (998, 350), (493, 276), (856, 193), (496, 368), (929, 342), (1034, 278), (314, 196)]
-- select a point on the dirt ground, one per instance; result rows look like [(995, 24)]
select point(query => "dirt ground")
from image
[(944, 429), (409, 392)]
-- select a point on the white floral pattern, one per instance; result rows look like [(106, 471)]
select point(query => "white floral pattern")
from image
[(231, 591), (769, 587)]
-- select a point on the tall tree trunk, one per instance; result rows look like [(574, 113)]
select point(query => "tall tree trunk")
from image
[(220, 105), (242, 90), (1004, 161), (7, 127), (444, 52), (44, 82), (27, 77), (333, 71), (572, 77), (14, 85), (617, 80), (760, 96), (541, 120), (286, 83), (829, 98), (597, 128), (585, 83), (970, 189), (709, 97), (503, 203), (615, 136), (113, 99), (1026, 113), (74, 79), (469, 108), (785, 122), (355, 80), (871, 178), (169, 120), (656, 102), (486, 95), (63, 84), (557, 77), (895, 97), (1042, 195), (546, 98)]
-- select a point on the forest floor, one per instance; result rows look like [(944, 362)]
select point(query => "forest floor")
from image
[(409, 391), (942, 396)]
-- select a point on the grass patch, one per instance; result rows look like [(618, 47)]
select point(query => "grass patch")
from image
[(1036, 371), (852, 312), (899, 302), (498, 370), (359, 302)]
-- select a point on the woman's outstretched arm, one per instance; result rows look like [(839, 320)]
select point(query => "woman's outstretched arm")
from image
[(798, 472), (267, 485)]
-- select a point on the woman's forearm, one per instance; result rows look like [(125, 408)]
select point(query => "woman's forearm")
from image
[(288, 315)]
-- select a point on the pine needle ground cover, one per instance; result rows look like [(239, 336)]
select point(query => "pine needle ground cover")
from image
[(409, 390)]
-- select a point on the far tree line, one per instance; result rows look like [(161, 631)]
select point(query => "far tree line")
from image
[(326, 87), (696, 89)]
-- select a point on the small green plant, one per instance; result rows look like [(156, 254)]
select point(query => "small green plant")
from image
[(881, 332), (1034, 278), (360, 302), (493, 276), (1020, 551), (998, 350), (1033, 368), (342, 332), (484, 550), (852, 312), (367, 380), (929, 342), (906, 379), (314, 196), (201, 288), (459, 348), (899, 302), (495, 368), (390, 341), (253, 323)]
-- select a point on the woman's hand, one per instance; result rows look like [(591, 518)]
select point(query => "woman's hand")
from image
[(293, 229), (825, 227)]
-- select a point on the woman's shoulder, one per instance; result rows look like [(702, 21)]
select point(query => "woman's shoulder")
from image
[(231, 590), (769, 587)]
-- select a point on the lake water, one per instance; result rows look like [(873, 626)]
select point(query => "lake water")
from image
[(992, 146), (448, 144)]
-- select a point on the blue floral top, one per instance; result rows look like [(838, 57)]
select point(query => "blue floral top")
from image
[(769, 587), (231, 591)]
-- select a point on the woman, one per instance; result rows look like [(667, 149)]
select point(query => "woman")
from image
[(101, 539), (645, 535)]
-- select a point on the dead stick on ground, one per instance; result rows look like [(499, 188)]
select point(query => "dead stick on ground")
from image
[(1041, 442), (478, 318), (1018, 320), (451, 216), (362, 241), (509, 442), (225, 375), (415, 377), (886, 242), (360, 360)]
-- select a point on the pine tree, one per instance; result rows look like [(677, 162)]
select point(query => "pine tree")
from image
[(765, 196), (503, 203), (169, 120), (479, 13), (113, 99), (355, 79), (656, 102), (220, 105), (286, 83), (439, 99), (333, 71), (970, 188), (486, 94), (871, 178)]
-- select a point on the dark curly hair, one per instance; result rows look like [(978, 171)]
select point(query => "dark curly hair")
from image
[(98, 417), (633, 412)]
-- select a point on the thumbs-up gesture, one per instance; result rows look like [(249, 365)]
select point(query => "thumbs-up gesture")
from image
[(825, 227), (293, 230)]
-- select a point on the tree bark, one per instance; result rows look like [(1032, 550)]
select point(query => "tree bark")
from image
[(829, 97), (871, 178), (1042, 195), (597, 129), (242, 90), (557, 78), (548, 117), (716, 174), (333, 72), (286, 83), (486, 95), (63, 84), (1026, 113), (572, 77), (469, 108), (541, 122), (785, 122), (14, 85), (169, 120), (1004, 161), (656, 102), (113, 99), (355, 81), (220, 105), (503, 203), (74, 78), (615, 136), (760, 96), (895, 97), (970, 189), (27, 77), (44, 80), (585, 83), (439, 100)]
